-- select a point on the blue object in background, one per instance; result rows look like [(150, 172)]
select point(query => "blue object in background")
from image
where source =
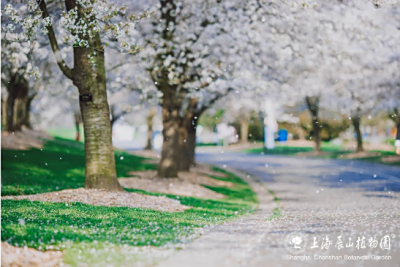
[(282, 135), (154, 134)]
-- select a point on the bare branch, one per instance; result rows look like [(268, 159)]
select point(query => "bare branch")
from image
[(117, 66), (53, 42), (215, 99)]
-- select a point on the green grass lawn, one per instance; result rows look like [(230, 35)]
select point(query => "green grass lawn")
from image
[(280, 150), (206, 144), (59, 165), (82, 228), (335, 152)]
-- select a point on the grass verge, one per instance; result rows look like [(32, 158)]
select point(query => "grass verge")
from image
[(59, 165), (335, 152), (49, 226)]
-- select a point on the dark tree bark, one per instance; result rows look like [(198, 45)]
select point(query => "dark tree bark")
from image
[(184, 163), (356, 123), (193, 114), (100, 172), (3, 112), (191, 143), (185, 130), (12, 95), (18, 113), (17, 89), (395, 117), (313, 107), (169, 162), (20, 104), (26, 121), (188, 135), (9, 127), (150, 117), (398, 130)]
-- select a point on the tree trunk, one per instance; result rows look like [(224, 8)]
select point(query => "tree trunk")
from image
[(17, 89), (3, 112), (9, 127), (18, 113), (188, 135), (150, 117), (395, 117), (300, 132), (313, 107), (89, 78), (149, 136), (356, 123), (191, 142), (184, 160), (77, 118), (26, 121), (20, 104), (244, 130), (398, 129), (100, 172), (168, 167), (12, 90)]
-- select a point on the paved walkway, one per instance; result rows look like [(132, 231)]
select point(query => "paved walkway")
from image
[(320, 200)]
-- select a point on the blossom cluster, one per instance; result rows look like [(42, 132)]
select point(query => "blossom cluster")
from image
[(30, 23), (86, 20)]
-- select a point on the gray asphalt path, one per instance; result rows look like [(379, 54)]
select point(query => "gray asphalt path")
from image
[(319, 205)]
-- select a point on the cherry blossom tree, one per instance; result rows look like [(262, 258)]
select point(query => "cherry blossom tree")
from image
[(174, 45), (88, 26), (20, 87), (330, 46), (149, 120), (367, 70), (188, 47)]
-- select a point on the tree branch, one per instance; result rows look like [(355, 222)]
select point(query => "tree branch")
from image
[(215, 99), (53, 42), (114, 116), (117, 66)]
